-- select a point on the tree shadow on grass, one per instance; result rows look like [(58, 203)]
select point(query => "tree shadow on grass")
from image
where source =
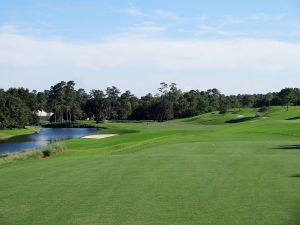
[(240, 120), (295, 175), (288, 147), (294, 118)]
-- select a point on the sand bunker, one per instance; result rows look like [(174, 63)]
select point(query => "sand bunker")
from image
[(99, 136)]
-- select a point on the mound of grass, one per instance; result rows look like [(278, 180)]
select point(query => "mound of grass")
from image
[(215, 118), (240, 120)]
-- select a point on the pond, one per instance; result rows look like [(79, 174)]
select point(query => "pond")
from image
[(42, 138)]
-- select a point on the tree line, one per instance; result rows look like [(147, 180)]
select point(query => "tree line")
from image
[(19, 106)]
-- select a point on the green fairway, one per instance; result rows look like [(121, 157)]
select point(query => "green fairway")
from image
[(211, 170), (8, 133)]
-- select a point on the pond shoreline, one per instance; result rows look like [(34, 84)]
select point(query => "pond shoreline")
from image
[(68, 125), (33, 154), (42, 138)]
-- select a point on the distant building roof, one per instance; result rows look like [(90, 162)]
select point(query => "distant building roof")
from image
[(43, 114)]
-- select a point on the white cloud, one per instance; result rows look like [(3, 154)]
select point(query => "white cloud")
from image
[(147, 27), (130, 57), (257, 25), (7, 29), (267, 17), (133, 11), (219, 31), (144, 30), (230, 20), (172, 16), (240, 54), (157, 14)]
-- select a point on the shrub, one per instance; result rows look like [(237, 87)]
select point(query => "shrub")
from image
[(223, 111), (46, 152), (52, 149)]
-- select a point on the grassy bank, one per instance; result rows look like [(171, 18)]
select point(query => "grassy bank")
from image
[(202, 170), (9, 133), (33, 154)]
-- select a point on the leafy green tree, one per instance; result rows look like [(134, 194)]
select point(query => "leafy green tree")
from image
[(96, 106), (163, 89), (234, 102), (248, 100), (72, 104), (125, 106), (18, 106), (164, 109), (82, 98), (224, 104), (297, 95), (113, 103), (14, 112), (56, 100), (269, 98), (214, 97), (287, 96), (42, 100)]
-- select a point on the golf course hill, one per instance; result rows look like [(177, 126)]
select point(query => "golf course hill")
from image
[(237, 168)]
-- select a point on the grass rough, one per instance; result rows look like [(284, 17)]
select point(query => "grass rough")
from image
[(33, 154)]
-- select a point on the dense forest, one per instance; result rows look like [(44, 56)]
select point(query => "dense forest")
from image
[(19, 106)]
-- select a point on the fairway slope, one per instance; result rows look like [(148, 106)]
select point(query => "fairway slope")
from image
[(200, 170)]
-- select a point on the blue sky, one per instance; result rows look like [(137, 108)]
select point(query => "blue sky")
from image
[(236, 46)]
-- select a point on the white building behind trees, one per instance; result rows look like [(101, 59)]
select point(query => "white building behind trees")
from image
[(44, 115)]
